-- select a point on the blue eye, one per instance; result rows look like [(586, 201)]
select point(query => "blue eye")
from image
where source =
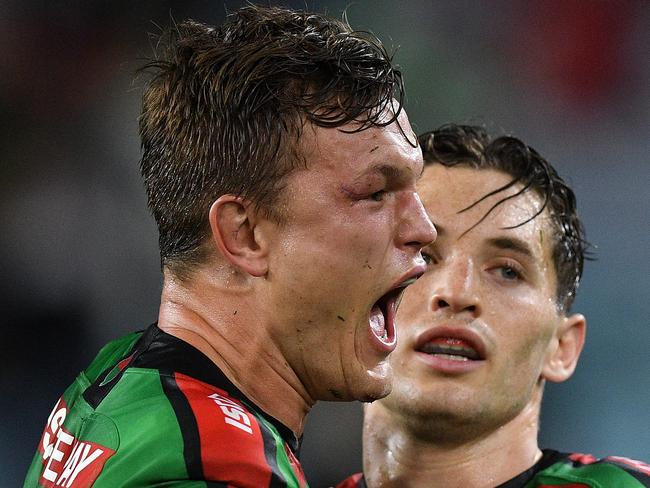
[(509, 273), (428, 259)]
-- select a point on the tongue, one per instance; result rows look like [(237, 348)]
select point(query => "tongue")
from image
[(377, 322)]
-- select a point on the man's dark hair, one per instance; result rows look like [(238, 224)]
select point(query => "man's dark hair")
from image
[(225, 107), (471, 146)]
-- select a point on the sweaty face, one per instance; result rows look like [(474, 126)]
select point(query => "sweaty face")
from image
[(349, 246), (475, 329)]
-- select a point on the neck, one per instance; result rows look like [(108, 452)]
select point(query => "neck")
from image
[(394, 456), (227, 323)]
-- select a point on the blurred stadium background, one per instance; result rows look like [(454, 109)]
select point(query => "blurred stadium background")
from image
[(78, 250)]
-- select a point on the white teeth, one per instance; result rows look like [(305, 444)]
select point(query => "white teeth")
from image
[(448, 350), (452, 357)]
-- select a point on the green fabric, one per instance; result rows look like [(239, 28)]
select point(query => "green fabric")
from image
[(597, 475), (284, 465), (134, 423), (151, 443), (81, 418), (142, 425), (110, 354)]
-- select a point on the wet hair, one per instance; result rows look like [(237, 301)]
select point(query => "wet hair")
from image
[(225, 107), (463, 145)]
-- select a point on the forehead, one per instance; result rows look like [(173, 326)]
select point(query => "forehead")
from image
[(447, 191), (342, 150)]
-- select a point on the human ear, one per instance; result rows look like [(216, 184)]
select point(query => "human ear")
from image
[(237, 235), (565, 349)]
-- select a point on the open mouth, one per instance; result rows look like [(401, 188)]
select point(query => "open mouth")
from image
[(452, 349), (382, 314)]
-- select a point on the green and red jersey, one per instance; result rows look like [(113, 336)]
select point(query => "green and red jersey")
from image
[(151, 410), (561, 470)]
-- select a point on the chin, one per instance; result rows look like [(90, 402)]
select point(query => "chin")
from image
[(373, 397), (376, 387)]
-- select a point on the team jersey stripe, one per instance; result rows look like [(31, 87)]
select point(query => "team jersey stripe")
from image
[(111, 375), (271, 454), (355, 481), (638, 469), (232, 447), (188, 426)]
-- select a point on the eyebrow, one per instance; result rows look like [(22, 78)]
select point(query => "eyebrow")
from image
[(512, 243), (388, 171)]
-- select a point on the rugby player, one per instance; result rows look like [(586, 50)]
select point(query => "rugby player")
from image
[(484, 329), (280, 169)]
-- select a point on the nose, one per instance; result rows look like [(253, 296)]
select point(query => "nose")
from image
[(416, 229), (455, 287)]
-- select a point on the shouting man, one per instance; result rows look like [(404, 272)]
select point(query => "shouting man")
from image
[(280, 169)]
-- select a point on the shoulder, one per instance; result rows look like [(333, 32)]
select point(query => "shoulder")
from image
[(227, 439), (133, 416), (610, 471), (183, 429), (225, 426), (110, 355), (234, 441)]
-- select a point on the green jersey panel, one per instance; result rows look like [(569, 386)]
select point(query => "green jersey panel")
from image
[(151, 410)]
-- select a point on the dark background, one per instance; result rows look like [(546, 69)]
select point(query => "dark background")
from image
[(78, 250)]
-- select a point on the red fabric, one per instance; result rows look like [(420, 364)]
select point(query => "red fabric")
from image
[(124, 362), (350, 482), (582, 458), (67, 461), (297, 468), (232, 448)]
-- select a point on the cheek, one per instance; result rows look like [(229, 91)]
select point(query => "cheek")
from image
[(526, 322), (415, 303), (528, 346)]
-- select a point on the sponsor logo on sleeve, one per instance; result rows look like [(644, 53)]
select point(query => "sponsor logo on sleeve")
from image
[(67, 461), (234, 414), (232, 447)]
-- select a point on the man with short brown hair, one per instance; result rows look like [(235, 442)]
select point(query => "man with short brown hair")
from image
[(280, 168), (484, 329)]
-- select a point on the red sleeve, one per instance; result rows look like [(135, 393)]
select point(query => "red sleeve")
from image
[(232, 445)]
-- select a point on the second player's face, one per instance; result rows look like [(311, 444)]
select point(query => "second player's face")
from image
[(476, 330), (350, 244)]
